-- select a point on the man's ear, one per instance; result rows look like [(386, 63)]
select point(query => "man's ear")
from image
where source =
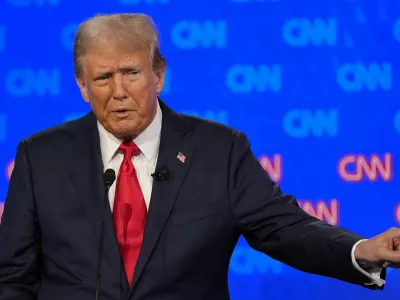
[(82, 87), (160, 80)]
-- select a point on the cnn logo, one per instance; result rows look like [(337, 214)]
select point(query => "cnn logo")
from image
[(356, 168), (1, 210), (327, 211), (273, 166), (9, 169)]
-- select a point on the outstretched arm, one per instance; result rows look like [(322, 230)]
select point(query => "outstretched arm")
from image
[(273, 223)]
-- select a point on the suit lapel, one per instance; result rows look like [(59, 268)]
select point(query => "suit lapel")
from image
[(165, 192), (84, 161)]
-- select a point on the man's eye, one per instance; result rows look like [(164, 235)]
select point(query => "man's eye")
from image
[(103, 77)]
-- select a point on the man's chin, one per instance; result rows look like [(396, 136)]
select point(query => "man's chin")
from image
[(126, 133), (128, 128)]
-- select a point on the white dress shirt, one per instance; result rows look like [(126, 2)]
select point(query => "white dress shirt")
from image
[(148, 142), (145, 163)]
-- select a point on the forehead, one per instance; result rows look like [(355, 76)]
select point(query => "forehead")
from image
[(115, 53)]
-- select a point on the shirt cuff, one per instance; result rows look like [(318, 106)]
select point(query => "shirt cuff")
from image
[(372, 272)]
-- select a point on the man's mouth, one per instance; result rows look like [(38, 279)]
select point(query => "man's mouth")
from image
[(122, 110), (122, 113)]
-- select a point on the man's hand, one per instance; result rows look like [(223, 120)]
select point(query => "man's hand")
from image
[(380, 251)]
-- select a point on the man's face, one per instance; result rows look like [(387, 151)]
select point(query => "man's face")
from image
[(121, 87)]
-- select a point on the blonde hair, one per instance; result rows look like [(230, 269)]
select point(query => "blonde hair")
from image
[(134, 30)]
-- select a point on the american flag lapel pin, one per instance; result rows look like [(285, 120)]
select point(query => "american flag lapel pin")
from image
[(181, 157)]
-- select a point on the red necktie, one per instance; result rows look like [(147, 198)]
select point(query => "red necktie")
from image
[(130, 211)]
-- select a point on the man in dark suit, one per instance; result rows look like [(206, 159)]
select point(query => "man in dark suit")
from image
[(167, 239)]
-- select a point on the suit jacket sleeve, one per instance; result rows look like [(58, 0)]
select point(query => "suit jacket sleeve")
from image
[(273, 223), (19, 235)]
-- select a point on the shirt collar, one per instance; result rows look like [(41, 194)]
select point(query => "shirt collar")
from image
[(147, 141)]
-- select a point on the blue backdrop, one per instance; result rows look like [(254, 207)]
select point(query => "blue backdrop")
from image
[(314, 84)]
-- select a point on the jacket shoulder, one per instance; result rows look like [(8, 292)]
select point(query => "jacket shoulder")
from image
[(56, 134), (213, 133), (212, 128)]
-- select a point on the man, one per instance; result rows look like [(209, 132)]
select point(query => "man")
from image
[(167, 239)]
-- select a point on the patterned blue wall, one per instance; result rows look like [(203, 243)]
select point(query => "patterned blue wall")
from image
[(314, 84)]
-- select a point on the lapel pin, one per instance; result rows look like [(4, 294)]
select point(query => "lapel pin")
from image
[(181, 157)]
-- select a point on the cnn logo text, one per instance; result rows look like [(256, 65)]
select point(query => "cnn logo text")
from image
[(359, 167), (327, 211)]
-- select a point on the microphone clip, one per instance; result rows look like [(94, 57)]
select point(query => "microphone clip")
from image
[(162, 174)]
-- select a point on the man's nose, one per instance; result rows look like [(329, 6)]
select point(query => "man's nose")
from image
[(118, 87)]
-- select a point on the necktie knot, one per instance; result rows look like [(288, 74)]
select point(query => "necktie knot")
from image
[(129, 149)]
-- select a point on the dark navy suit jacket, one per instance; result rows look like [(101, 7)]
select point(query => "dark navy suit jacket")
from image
[(50, 231)]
